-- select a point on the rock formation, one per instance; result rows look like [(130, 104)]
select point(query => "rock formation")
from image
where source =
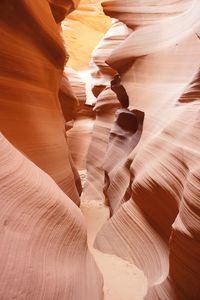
[(43, 249), (79, 135), (143, 158), (68, 100), (83, 29), (157, 227), (32, 61), (105, 108)]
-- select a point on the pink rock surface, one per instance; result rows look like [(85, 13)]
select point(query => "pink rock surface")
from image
[(159, 180), (77, 84), (105, 107), (124, 137), (43, 249), (105, 114), (149, 174), (79, 136), (101, 72)]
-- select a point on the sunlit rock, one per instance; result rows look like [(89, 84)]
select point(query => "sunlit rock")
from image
[(159, 180), (43, 249)]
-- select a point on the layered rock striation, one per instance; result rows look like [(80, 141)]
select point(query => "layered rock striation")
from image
[(105, 108), (43, 249), (153, 193), (32, 62), (83, 29), (81, 126)]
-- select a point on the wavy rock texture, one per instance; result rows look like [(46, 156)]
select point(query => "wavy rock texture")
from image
[(68, 99), (124, 137), (79, 88), (158, 226), (79, 135), (101, 72), (79, 138), (61, 8), (72, 96), (32, 61), (83, 29), (93, 189), (43, 236), (77, 84), (106, 106)]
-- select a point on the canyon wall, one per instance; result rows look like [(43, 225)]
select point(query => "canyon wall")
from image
[(32, 62), (43, 249), (105, 108), (80, 132), (143, 159), (68, 100), (153, 192), (83, 29)]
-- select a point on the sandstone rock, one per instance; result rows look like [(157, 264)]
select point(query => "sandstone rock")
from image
[(79, 135), (32, 61), (159, 66), (68, 100), (43, 249), (83, 29), (105, 108)]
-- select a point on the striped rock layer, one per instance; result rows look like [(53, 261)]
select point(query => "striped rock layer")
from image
[(154, 192), (83, 29), (32, 62), (105, 108), (43, 249), (79, 135)]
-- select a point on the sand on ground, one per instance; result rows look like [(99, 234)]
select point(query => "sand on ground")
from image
[(122, 280)]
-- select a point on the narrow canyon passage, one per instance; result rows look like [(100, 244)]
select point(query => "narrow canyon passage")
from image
[(100, 150), (122, 280)]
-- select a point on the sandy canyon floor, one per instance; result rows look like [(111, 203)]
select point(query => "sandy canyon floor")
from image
[(122, 280)]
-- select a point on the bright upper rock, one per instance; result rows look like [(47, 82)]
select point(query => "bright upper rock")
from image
[(83, 29), (155, 188)]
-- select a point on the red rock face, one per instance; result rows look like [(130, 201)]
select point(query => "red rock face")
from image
[(156, 228), (32, 61), (68, 99)]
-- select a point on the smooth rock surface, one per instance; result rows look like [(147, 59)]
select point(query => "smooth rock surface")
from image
[(156, 228), (43, 249), (31, 65)]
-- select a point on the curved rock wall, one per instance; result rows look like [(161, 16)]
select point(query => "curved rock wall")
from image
[(83, 29), (105, 108), (157, 227), (43, 249), (151, 170), (79, 135), (101, 72), (68, 99), (32, 61)]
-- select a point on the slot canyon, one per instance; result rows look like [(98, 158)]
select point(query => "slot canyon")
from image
[(100, 150)]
